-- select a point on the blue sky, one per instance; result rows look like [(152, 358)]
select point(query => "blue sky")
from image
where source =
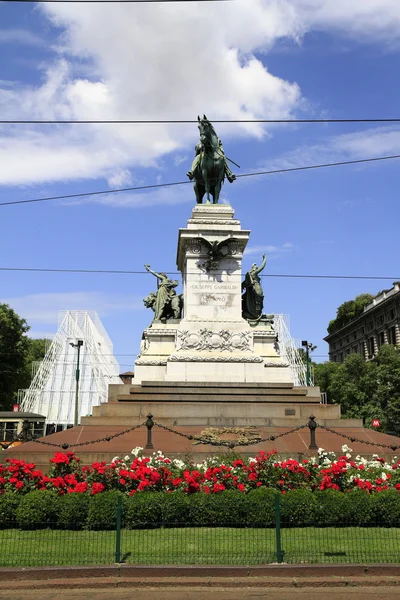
[(248, 59)]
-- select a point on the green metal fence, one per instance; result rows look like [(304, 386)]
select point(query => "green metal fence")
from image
[(154, 543)]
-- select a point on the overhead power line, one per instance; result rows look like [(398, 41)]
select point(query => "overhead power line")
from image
[(110, 1), (178, 121), (118, 272), (175, 183)]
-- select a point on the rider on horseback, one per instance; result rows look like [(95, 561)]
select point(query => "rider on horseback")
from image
[(199, 148)]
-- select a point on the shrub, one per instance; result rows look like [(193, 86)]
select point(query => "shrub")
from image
[(385, 508), (9, 503), (144, 510), (176, 510), (102, 513), (73, 511), (297, 508), (224, 509), (260, 505), (358, 509), (330, 508), (38, 510)]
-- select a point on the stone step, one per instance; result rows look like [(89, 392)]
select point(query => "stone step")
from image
[(228, 399), (216, 392), (176, 411), (205, 384)]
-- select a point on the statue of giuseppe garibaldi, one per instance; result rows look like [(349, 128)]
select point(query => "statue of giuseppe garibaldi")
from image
[(210, 166)]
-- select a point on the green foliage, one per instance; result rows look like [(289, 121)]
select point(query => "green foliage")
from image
[(385, 508), (297, 508), (73, 511), (330, 507), (36, 349), (38, 510), (175, 510), (260, 508), (348, 311), (323, 374), (13, 352), (144, 511), (359, 509), (226, 509), (9, 503), (102, 514), (365, 390)]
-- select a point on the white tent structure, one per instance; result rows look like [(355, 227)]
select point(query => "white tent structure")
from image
[(52, 391)]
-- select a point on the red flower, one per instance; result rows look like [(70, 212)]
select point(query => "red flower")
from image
[(97, 488)]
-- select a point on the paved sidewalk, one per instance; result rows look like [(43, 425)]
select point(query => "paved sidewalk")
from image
[(202, 593)]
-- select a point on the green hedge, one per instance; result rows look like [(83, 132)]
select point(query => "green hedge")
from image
[(9, 503), (299, 508)]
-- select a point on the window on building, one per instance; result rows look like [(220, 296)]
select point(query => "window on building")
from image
[(371, 347), (8, 431), (341, 343), (334, 346), (381, 338), (370, 326), (355, 349), (381, 320), (347, 339), (392, 335), (341, 357), (362, 330), (392, 314), (355, 335)]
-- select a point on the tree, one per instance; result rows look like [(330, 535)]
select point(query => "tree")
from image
[(13, 353), (36, 352), (323, 373), (348, 311), (363, 389)]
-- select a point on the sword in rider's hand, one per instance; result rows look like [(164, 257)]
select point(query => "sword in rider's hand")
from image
[(230, 160)]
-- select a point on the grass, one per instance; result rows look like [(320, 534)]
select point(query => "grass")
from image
[(199, 546)]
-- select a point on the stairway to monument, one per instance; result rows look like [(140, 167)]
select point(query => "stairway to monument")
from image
[(210, 404)]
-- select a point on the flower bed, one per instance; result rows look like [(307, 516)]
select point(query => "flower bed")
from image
[(136, 473)]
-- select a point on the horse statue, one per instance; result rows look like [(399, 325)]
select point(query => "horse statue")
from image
[(210, 164)]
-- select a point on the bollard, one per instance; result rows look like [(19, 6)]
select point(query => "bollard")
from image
[(312, 427), (149, 425)]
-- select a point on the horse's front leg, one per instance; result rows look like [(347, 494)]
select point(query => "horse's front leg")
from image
[(206, 184)]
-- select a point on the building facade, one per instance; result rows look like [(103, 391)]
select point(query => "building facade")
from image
[(378, 325)]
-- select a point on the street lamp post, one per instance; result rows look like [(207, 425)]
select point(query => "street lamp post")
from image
[(308, 346), (78, 345)]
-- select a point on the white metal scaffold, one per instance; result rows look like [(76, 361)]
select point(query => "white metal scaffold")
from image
[(289, 352), (52, 391)]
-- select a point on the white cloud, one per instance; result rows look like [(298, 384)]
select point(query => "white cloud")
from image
[(362, 19), (169, 61), (20, 36), (42, 309), (370, 143), (268, 250)]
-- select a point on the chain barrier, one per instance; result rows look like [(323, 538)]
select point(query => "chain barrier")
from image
[(352, 439), (150, 423), (65, 446), (228, 443)]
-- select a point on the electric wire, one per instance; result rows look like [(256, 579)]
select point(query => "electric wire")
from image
[(176, 183), (279, 275), (182, 121)]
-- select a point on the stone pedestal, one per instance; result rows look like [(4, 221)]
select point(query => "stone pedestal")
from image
[(212, 342)]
